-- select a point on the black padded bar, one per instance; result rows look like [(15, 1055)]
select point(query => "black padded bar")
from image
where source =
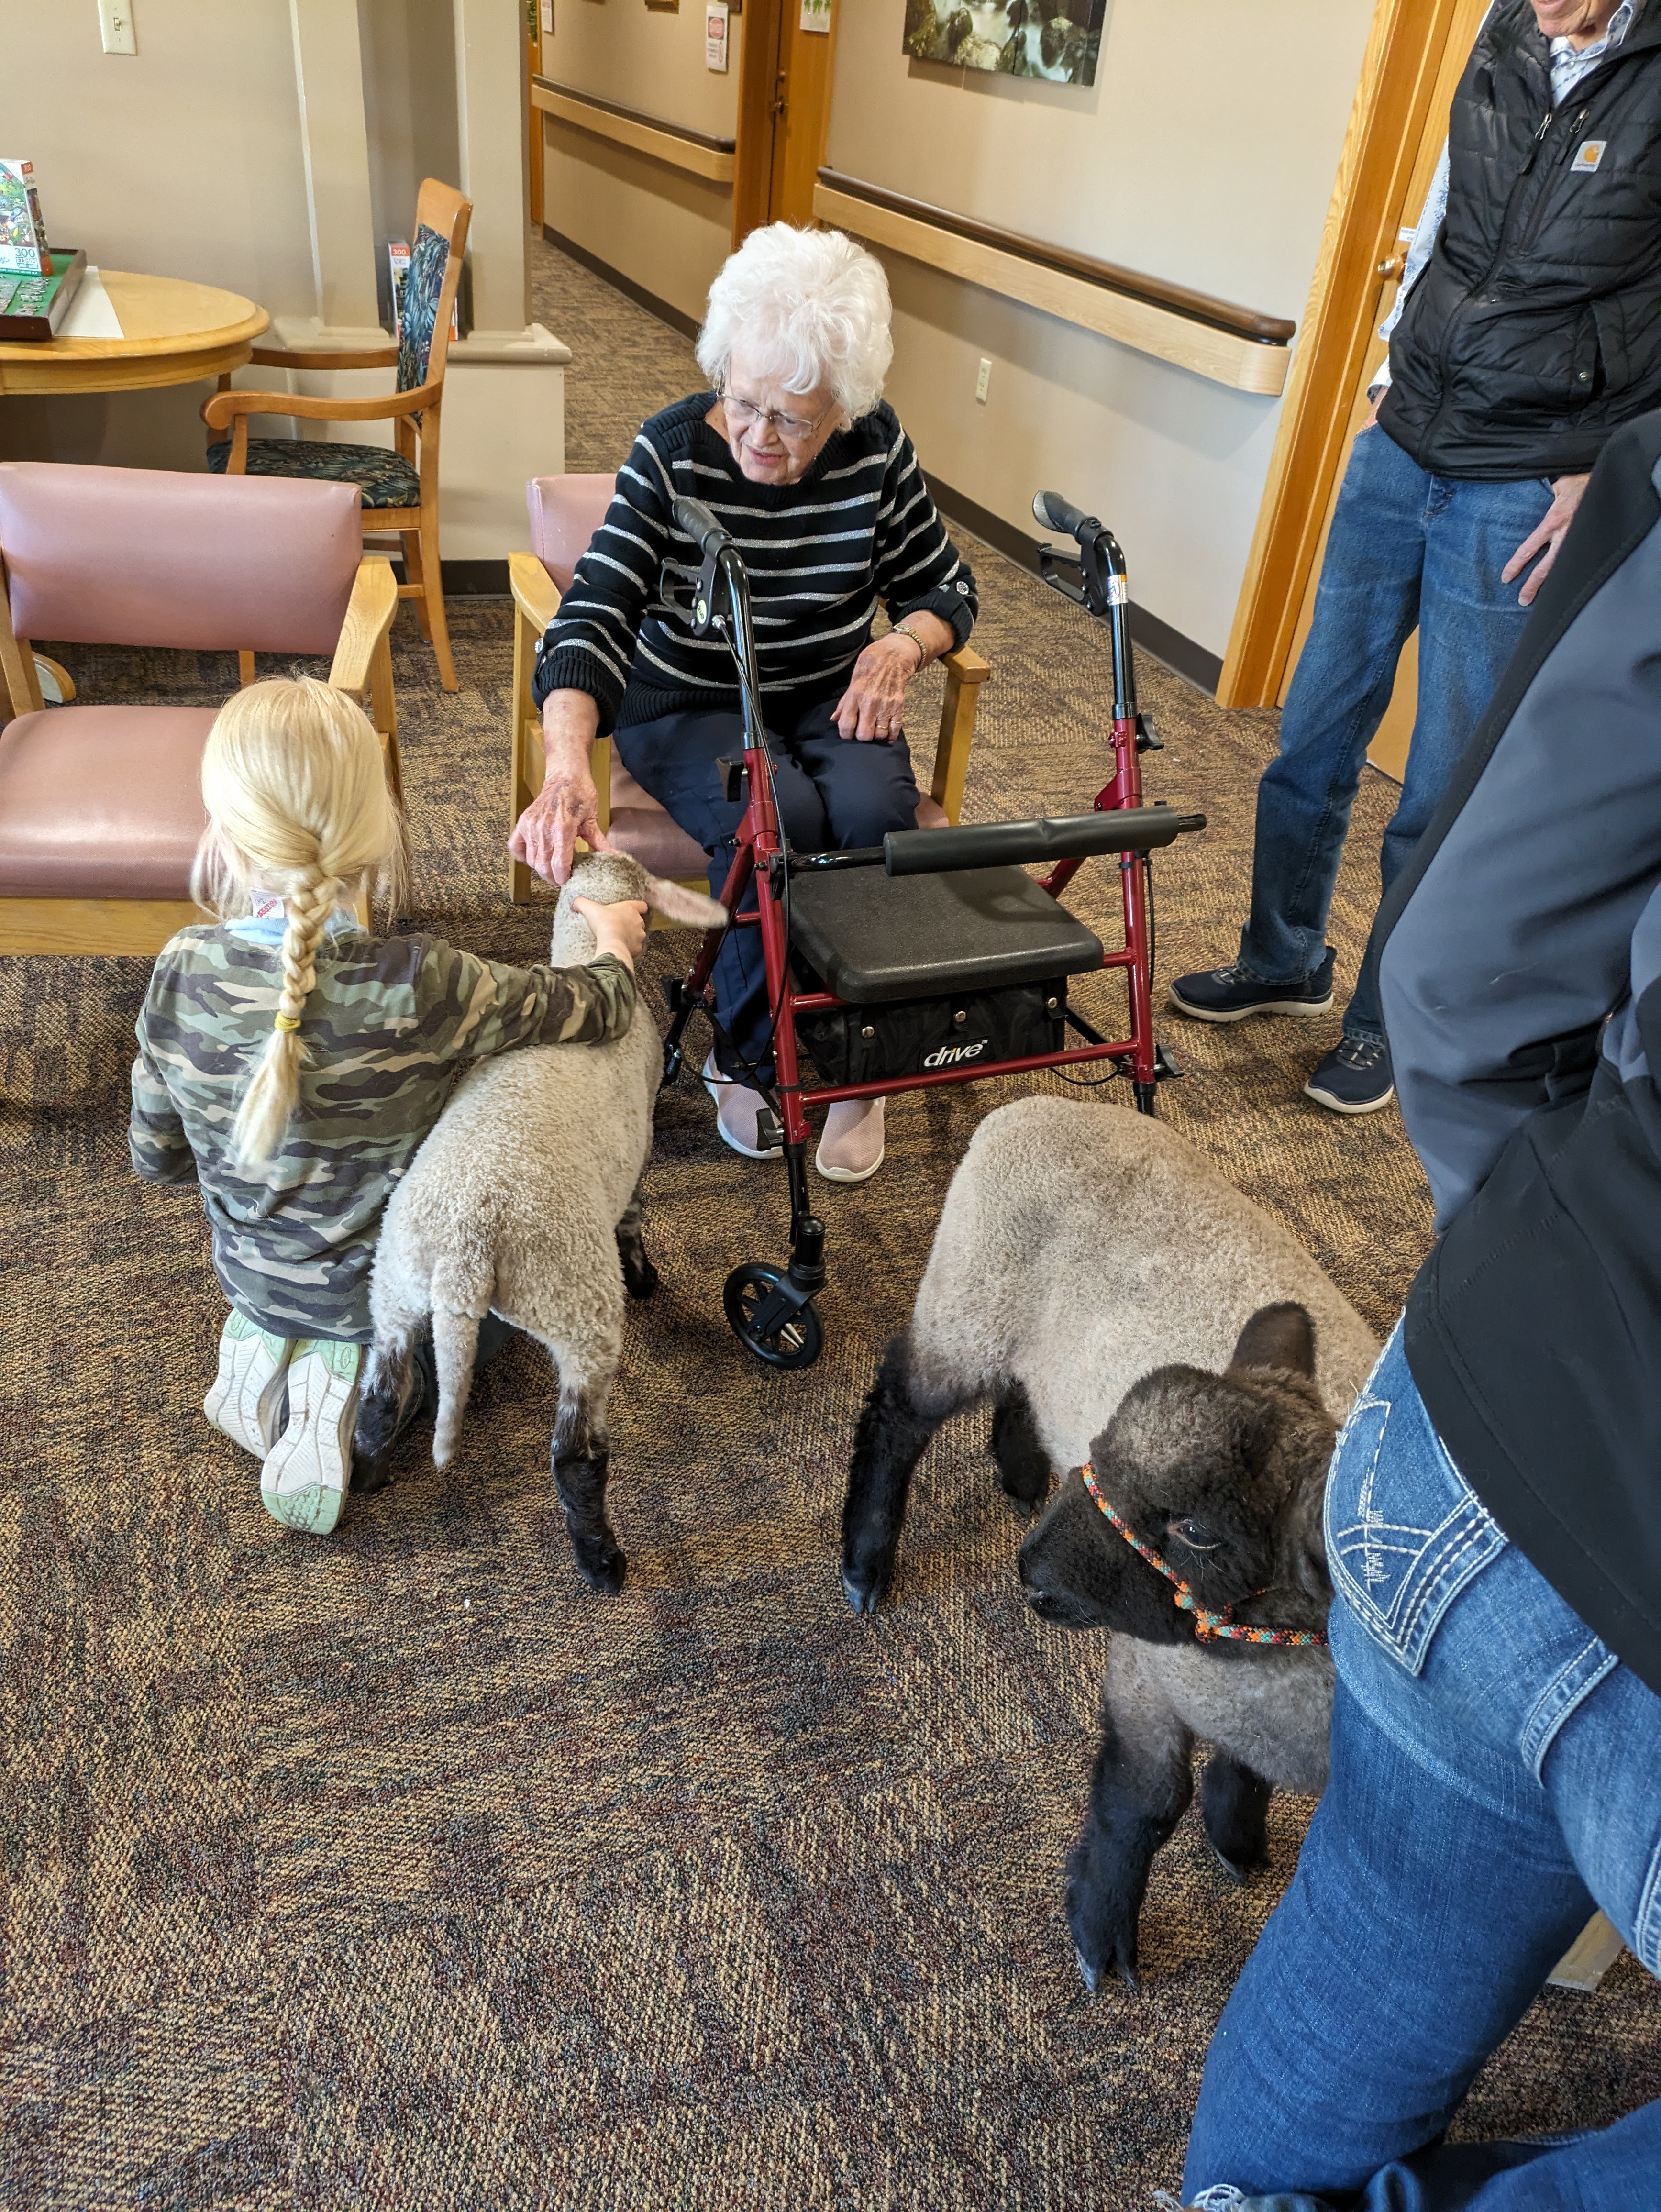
[(1053, 837)]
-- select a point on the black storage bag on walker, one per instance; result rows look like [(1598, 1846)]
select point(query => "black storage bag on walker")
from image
[(916, 1037)]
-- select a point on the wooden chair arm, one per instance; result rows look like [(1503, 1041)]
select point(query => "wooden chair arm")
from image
[(219, 412), (291, 357), (535, 592), (966, 664), (369, 614)]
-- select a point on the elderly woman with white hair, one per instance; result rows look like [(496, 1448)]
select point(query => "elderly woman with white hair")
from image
[(796, 452)]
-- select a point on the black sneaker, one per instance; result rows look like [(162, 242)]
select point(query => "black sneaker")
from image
[(1355, 1078), (1230, 994)]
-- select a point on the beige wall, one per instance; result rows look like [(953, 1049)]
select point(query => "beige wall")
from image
[(667, 230), (645, 58), (1205, 153), (184, 160)]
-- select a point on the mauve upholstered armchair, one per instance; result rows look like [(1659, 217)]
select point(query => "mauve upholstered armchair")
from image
[(100, 806), (565, 513)]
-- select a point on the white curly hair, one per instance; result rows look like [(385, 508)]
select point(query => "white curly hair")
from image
[(810, 307)]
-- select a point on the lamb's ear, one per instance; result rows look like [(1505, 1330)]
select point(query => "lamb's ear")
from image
[(1278, 1336), (680, 903)]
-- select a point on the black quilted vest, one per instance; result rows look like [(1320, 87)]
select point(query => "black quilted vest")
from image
[(1536, 329)]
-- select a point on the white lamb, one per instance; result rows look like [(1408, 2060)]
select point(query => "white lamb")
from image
[(525, 1200)]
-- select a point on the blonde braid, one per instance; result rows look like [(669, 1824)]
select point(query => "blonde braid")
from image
[(268, 1103)]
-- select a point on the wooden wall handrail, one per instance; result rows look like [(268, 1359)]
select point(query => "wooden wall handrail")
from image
[(683, 148), (975, 254), (1199, 307)]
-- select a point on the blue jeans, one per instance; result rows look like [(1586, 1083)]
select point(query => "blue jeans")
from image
[(1405, 549), (834, 794), (1495, 1771)]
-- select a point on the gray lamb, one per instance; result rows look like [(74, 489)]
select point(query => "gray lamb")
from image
[(1095, 1276), (524, 1201)]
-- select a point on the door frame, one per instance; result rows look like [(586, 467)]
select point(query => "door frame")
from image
[(772, 55), (1404, 58)]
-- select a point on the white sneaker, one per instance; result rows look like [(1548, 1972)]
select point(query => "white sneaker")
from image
[(245, 1400), (308, 1470), (737, 1107), (852, 1147)]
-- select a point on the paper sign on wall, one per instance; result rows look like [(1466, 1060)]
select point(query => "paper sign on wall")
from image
[(547, 19), (815, 15), (714, 36)]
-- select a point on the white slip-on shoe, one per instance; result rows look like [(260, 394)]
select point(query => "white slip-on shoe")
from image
[(852, 1147), (736, 1109), (245, 1400), (308, 1470)]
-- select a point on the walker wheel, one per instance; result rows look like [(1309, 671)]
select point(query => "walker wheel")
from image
[(797, 1341)]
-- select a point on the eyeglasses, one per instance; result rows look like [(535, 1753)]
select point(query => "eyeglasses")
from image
[(743, 414)]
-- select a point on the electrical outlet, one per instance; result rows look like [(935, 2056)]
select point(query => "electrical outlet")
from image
[(115, 20), (982, 380)]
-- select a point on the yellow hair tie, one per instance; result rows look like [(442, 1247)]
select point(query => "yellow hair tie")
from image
[(286, 1022)]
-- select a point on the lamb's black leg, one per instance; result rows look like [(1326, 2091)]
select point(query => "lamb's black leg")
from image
[(390, 1383), (896, 1423), (1140, 1788), (1234, 1806), (639, 1276), (580, 1460), (1022, 1466)]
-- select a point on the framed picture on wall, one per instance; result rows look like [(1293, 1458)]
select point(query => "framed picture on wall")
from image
[(1059, 39)]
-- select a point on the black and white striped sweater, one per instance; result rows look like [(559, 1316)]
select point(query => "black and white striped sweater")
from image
[(859, 527)]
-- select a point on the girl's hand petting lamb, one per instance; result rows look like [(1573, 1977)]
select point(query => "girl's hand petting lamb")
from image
[(619, 928)]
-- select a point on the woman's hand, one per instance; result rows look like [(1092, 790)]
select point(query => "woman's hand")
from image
[(873, 705), (619, 927), (567, 806), (1552, 530)]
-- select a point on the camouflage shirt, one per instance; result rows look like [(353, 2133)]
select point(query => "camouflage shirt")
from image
[(388, 1025)]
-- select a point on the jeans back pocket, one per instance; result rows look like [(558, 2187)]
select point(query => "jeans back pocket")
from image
[(1404, 1530)]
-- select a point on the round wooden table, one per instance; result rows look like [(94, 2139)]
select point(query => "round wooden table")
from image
[(173, 333)]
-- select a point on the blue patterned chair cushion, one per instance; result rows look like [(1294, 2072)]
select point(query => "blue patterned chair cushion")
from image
[(422, 286), (384, 479)]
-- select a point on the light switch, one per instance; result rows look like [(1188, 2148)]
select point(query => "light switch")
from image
[(115, 20)]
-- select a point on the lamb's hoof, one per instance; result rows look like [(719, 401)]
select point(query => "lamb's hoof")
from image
[(1238, 1870), (1024, 1508), (604, 1571), (1093, 1977), (865, 1588), (640, 1280)]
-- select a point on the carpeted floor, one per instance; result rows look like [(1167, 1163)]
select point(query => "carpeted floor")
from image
[(396, 1869)]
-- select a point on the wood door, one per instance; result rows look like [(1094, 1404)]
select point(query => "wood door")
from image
[(1388, 749), (533, 68), (784, 113)]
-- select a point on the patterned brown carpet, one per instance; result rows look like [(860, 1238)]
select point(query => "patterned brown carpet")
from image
[(397, 1870)]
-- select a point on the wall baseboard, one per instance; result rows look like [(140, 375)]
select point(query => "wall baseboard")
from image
[(686, 325), (1179, 653)]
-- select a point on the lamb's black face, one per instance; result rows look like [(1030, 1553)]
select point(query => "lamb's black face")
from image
[(1220, 1474)]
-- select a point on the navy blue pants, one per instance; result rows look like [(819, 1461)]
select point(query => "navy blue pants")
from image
[(833, 792)]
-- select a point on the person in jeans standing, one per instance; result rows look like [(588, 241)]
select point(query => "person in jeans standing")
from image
[(1493, 1509), (1528, 328)]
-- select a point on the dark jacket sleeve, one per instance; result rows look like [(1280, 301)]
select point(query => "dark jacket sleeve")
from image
[(1512, 942), (918, 568), (589, 645), (156, 1141)]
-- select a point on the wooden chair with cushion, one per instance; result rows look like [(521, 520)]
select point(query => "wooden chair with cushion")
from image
[(100, 806), (399, 489), (565, 513)]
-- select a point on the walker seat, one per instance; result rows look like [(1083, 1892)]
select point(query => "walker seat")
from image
[(873, 937)]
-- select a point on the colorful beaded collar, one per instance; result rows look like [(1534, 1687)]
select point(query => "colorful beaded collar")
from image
[(1209, 1626)]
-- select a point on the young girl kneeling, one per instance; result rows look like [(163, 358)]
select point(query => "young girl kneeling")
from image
[(290, 1063)]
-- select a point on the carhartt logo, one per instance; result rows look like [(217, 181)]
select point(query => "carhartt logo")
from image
[(950, 1054), (1589, 153)]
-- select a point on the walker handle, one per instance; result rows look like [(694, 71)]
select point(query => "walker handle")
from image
[(1054, 513), (1052, 838)]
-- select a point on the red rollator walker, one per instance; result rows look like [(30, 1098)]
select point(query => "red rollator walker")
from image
[(932, 958)]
